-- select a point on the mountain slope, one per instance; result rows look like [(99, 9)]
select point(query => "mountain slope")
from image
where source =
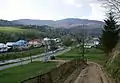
[(33, 22), (91, 31), (64, 23), (72, 22), (5, 23)]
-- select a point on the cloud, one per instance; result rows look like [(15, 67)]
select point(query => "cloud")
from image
[(98, 13), (50, 9), (95, 5), (72, 2), (80, 2), (13, 9)]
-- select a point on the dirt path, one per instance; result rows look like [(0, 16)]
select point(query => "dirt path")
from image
[(92, 74), (59, 61)]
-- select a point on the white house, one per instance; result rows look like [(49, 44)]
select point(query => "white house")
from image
[(96, 41), (58, 40), (91, 43), (46, 41)]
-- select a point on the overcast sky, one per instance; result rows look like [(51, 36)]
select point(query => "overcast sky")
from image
[(51, 9)]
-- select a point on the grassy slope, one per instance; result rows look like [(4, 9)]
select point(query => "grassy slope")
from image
[(16, 74), (17, 30), (114, 69), (11, 29)]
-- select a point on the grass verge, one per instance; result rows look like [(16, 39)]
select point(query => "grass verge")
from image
[(72, 54), (114, 69), (15, 55)]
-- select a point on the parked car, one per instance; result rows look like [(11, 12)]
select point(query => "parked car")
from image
[(4, 48), (87, 46)]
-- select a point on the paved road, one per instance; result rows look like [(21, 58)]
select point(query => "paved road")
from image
[(27, 58), (40, 57)]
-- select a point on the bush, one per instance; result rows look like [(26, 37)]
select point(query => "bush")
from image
[(52, 57)]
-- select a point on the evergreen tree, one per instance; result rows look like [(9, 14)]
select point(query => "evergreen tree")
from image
[(110, 34)]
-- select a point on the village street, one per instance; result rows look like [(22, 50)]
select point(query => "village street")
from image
[(27, 60)]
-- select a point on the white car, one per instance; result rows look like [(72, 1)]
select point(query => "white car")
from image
[(87, 46)]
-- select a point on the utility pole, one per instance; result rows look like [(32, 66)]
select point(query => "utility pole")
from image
[(46, 50), (21, 60), (30, 55), (83, 43)]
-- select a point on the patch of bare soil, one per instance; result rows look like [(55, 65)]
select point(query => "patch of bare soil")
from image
[(59, 61), (93, 73)]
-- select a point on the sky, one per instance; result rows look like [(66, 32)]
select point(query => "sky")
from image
[(51, 9)]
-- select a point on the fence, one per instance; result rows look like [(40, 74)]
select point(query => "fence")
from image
[(58, 74)]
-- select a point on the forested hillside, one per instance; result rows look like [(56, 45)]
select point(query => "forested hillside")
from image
[(29, 32)]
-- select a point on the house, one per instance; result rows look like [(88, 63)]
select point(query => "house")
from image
[(3, 47), (35, 42), (96, 41), (46, 41), (57, 40), (92, 43), (89, 44), (51, 43)]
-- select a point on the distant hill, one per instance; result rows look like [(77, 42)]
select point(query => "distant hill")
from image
[(64, 23), (89, 30), (33, 22), (73, 22), (5, 23), (73, 25)]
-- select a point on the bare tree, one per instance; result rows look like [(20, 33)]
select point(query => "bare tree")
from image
[(30, 55), (81, 40), (112, 6)]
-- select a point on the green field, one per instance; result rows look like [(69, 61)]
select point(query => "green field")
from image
[(94, 54), (74, 53), (18, 30), (11, 29), (19, 73), (12, 34)]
